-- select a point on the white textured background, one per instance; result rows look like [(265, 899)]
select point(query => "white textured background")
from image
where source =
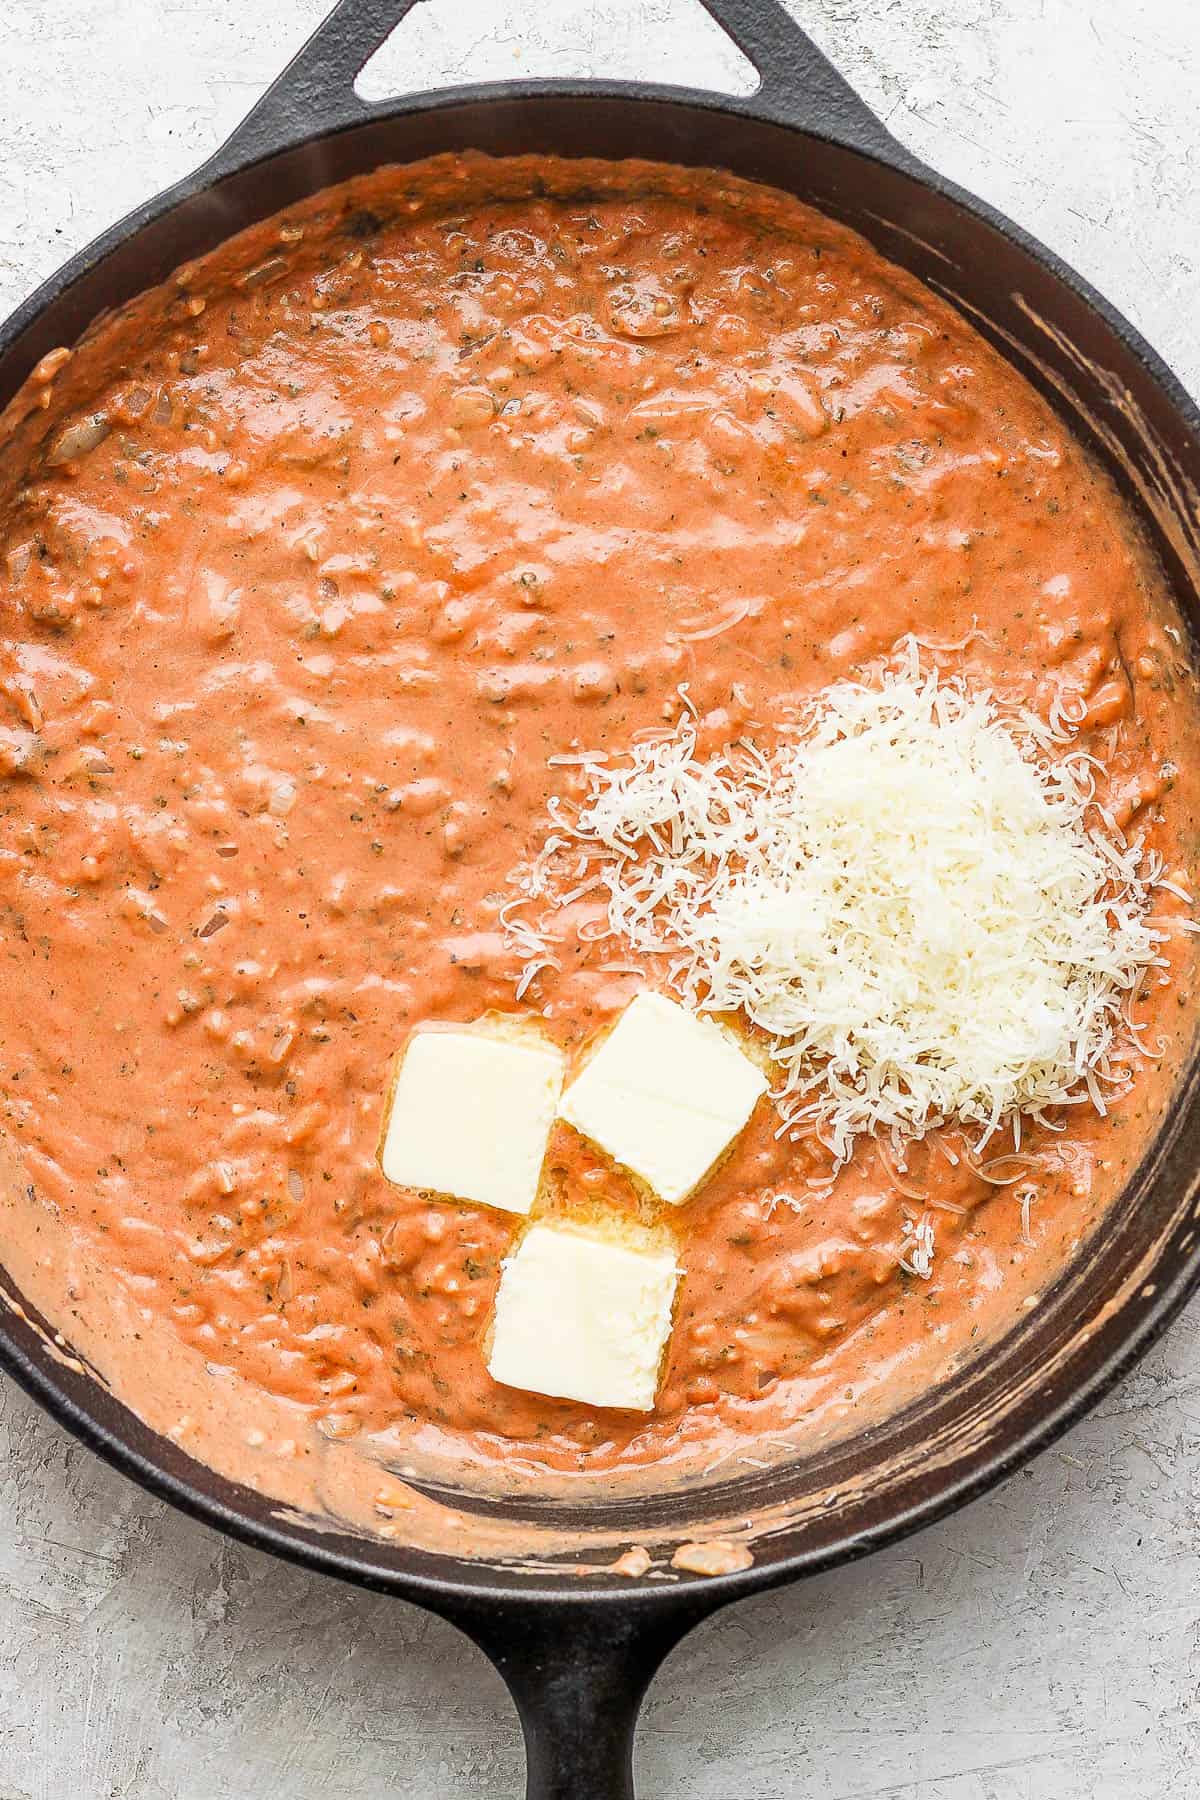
[(1044, 1645)]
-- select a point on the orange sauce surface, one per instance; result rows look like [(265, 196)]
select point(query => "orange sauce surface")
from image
[(376, 510)]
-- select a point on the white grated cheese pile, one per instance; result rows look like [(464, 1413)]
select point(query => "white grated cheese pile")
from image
[(919, 901)]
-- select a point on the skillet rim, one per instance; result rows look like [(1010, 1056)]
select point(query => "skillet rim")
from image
[(444, 1593)]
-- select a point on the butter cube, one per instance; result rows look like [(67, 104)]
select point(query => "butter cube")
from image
[(471, 1114), (581, 1317), (664, 1095)]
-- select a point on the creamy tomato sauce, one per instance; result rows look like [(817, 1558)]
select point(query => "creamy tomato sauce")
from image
[(308, 568)]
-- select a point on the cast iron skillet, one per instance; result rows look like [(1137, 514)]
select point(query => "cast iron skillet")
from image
[(579, 1651)]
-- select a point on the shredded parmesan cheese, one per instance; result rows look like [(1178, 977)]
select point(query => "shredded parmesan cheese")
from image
[(915, 897), (917, 1252)]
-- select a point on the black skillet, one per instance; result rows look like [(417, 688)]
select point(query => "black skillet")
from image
[(579, 1651)]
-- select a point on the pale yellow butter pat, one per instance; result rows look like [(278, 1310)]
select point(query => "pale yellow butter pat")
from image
[(665, 1095), (580, 1317), (471, 1115)]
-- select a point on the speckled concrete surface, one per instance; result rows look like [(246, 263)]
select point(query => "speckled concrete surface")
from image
[(1045, 1645)]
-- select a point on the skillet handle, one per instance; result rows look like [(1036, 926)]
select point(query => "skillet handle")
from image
[(578, 1672), (315, 93), (799, 85)]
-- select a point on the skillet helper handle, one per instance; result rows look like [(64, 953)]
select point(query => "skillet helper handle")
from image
[(315, 93), (578, 1673), (800, 86)]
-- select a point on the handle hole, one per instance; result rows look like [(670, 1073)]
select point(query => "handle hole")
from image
[(445, 42)]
